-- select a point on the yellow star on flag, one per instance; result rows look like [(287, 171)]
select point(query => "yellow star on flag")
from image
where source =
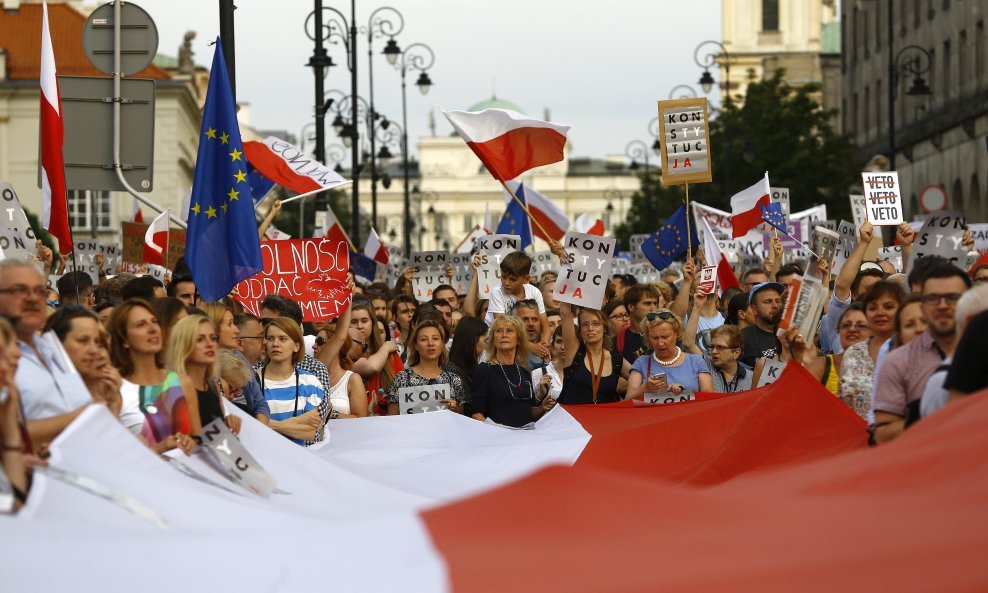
[(224, 137), (234, 194), (196, 208), (224, 207), (235, 155), (241, 176), (211, 212), (211, 133)]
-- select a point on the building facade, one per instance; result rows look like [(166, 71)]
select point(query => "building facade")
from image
[(941, 138)]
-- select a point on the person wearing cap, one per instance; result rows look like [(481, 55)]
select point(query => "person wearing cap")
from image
[(765, 312)]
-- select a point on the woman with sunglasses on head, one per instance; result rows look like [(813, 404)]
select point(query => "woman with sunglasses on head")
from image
[(667, 367), (136, 350), (426, 367), (727, 373), (250, 399), (293, 394), (592, 372), (502, 386), (332, 348), (376, 360), (192, 355)]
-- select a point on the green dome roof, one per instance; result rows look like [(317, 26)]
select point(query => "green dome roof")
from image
[(495, 103)]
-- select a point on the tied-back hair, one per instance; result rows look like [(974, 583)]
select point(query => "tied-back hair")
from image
[(116, 326), (521, 351), (182, 342), (375, 339), (413, 357)]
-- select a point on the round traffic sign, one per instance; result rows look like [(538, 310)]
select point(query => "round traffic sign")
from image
[(933, 198), (138, 39)]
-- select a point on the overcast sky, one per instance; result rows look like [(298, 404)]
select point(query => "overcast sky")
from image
[(597, 66)]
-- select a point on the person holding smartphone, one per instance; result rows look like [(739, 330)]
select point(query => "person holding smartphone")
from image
[(667, 368)]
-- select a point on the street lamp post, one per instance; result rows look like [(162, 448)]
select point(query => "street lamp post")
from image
[(636, 149), (709, 60), (417, 56), (914, 60), (383, 21)]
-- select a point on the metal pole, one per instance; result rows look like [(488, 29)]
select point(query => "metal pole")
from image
[(355, 148), (727, 130), (318, 65), (227, 35), (891, 89), (406, 227), (371, 119)]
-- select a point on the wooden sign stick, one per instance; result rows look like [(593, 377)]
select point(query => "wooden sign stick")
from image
[(525, 208)]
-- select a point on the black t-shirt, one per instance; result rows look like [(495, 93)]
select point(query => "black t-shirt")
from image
[(634, 346), (968, 372), (578, 381), (498, 396), (758, 343)]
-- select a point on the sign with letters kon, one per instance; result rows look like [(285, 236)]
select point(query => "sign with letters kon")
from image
[(583, 281), (684, 133), (423, 398)]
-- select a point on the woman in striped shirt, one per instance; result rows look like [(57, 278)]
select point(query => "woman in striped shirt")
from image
[(293, 395)]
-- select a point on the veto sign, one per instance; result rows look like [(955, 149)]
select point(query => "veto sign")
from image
[(311, 272), (684, 130), (584, 280), (425, 398), (883, 200)]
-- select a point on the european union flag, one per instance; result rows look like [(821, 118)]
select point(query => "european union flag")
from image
[(260, 185), (222, 247), (669, 242), (363, 266), (773, 215), (515, 221)]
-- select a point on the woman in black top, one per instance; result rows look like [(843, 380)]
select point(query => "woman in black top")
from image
[(469, 342), (502, 386), (593, 373)]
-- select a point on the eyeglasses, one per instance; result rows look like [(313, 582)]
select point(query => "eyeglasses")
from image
[(619, 316), (363, 345), (847, 326), (934, 299), (715, 347), (320, 341), (663, 315), (591, 325), (981, 280), (23, 291)]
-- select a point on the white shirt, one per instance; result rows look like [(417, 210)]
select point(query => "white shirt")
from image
[(130, 410), (339, 394), (501, 302)]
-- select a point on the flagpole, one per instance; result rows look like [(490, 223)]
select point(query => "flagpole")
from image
[(307, 194), (689, 240), (525, 208)]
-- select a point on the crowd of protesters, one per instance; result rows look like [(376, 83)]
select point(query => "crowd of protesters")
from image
[(892, 347)]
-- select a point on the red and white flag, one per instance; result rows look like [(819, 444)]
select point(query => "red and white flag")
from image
[(589, 225), (135, 211), (466, 245), (375, 249), (332, 229), (746, 211), (711, 251), (156, 240), (547, 214), (507, 142), (54, 207), (287, 165)]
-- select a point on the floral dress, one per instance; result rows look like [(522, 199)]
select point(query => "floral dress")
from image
[(857, 374)]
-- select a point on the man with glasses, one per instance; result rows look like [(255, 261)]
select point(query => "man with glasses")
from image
[(903, 375), (251, 337), (52, 391), (765, 309)]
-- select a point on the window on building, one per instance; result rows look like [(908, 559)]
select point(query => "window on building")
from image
[(879, 100), (770, 15), (467, 222), (947, 74), (865, 111), (979, 53), (963, 76), (854, 119), (81, 206), (863, 32), (917, 8), (879, 23)]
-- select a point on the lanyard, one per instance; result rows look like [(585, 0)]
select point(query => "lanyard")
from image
[(264, 386), (595, 378)]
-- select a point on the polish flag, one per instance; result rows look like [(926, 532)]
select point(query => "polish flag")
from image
[(332, 229), (54, 208), (287, 165), (554, 220), (711, 251), (135, 211), (507, 142), (186, 202), (589, 225), (156, 240), (375, 249), (746, 205)]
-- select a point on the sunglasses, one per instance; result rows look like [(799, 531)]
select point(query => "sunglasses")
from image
[(663, 315), (363, 345), (320, 341)]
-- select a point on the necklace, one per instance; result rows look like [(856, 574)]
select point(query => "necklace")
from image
[(510, 384), (595, 378), (671, 361)]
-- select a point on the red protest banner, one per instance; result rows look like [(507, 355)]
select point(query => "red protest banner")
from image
[(311, 272)]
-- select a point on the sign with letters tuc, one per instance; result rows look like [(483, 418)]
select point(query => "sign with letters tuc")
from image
[(684, 133), (492, 249), (423, 398), (429, 273), (583, 281), (311, 272), (883, 199)]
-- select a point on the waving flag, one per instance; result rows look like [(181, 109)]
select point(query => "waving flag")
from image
[(547, 214), (54, 207), (363, 267), (286, 164), (375, 249), (156, 240), (772, 214), (332, 229), (260, 186), (711, 251), (135, 211), (668, 244), (745, 212), (585, 223), (222, 247), (514, 221), (507, 142)]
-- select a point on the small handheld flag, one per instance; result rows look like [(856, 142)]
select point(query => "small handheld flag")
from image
[(773, 215)]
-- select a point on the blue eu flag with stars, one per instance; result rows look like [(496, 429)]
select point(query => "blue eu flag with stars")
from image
[(515, 221), (773, 215), (668, 244), (222, 247)]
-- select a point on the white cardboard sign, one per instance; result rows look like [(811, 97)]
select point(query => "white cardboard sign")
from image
[(492, 249), (430, 272), (424, 398), (584, 281), (883, 199)]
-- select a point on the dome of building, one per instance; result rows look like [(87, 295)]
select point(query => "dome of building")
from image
[(495, 103)]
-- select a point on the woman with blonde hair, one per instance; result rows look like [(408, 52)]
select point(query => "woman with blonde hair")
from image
[(250, 399), (427, 367), (502, 386), (667, 368), (192, 355), (293, 394)]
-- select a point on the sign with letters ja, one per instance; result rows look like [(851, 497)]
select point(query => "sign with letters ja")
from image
[(684, 133), (583, 280)]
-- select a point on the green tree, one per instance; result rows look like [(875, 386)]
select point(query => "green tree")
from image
[(779, 129), (650, 206)]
